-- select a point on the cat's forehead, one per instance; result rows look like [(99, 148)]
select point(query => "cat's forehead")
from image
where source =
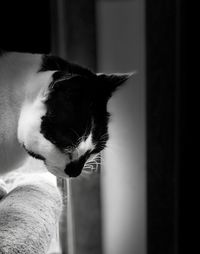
[(68, 116), (70, 100)]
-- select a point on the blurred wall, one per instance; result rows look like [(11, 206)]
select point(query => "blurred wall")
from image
[(120, 37)]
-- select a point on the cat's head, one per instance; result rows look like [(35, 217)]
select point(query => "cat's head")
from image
[(67, 122)]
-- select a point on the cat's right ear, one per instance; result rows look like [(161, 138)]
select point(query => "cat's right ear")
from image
[(111, 82)]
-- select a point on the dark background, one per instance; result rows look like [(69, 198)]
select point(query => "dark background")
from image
[(166, 118), (25, 26)]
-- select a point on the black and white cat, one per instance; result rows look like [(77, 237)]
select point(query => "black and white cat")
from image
[(53, 110)]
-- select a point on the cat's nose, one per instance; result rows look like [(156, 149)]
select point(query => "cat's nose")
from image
[(74, 169)]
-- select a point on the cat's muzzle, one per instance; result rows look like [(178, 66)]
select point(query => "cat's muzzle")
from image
[(74, 168)]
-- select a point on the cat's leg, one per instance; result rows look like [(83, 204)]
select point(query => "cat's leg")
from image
[(28, 217)]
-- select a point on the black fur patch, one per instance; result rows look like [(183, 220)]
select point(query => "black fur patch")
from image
[(74, 108), (76, 104), (69, 112), (74, 168), (55, 63)]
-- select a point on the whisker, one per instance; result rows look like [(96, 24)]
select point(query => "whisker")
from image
[(94, 164), (102, 159), (87, 128), (104, 136), (80, 139), (78, 152)]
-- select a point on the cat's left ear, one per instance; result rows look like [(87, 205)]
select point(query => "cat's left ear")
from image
[(111, 82)]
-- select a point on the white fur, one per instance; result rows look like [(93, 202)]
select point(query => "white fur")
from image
[(85, 146), (29, 134)]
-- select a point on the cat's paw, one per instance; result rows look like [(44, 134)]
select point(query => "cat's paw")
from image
[(3, 190)]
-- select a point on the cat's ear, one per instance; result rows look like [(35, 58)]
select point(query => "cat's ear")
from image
[(60, 76), (111, 82)]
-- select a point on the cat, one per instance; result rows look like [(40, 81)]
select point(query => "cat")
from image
[(30, 208), (53, 110)]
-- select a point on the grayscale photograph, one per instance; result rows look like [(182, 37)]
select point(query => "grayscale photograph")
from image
[(90, 126)]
